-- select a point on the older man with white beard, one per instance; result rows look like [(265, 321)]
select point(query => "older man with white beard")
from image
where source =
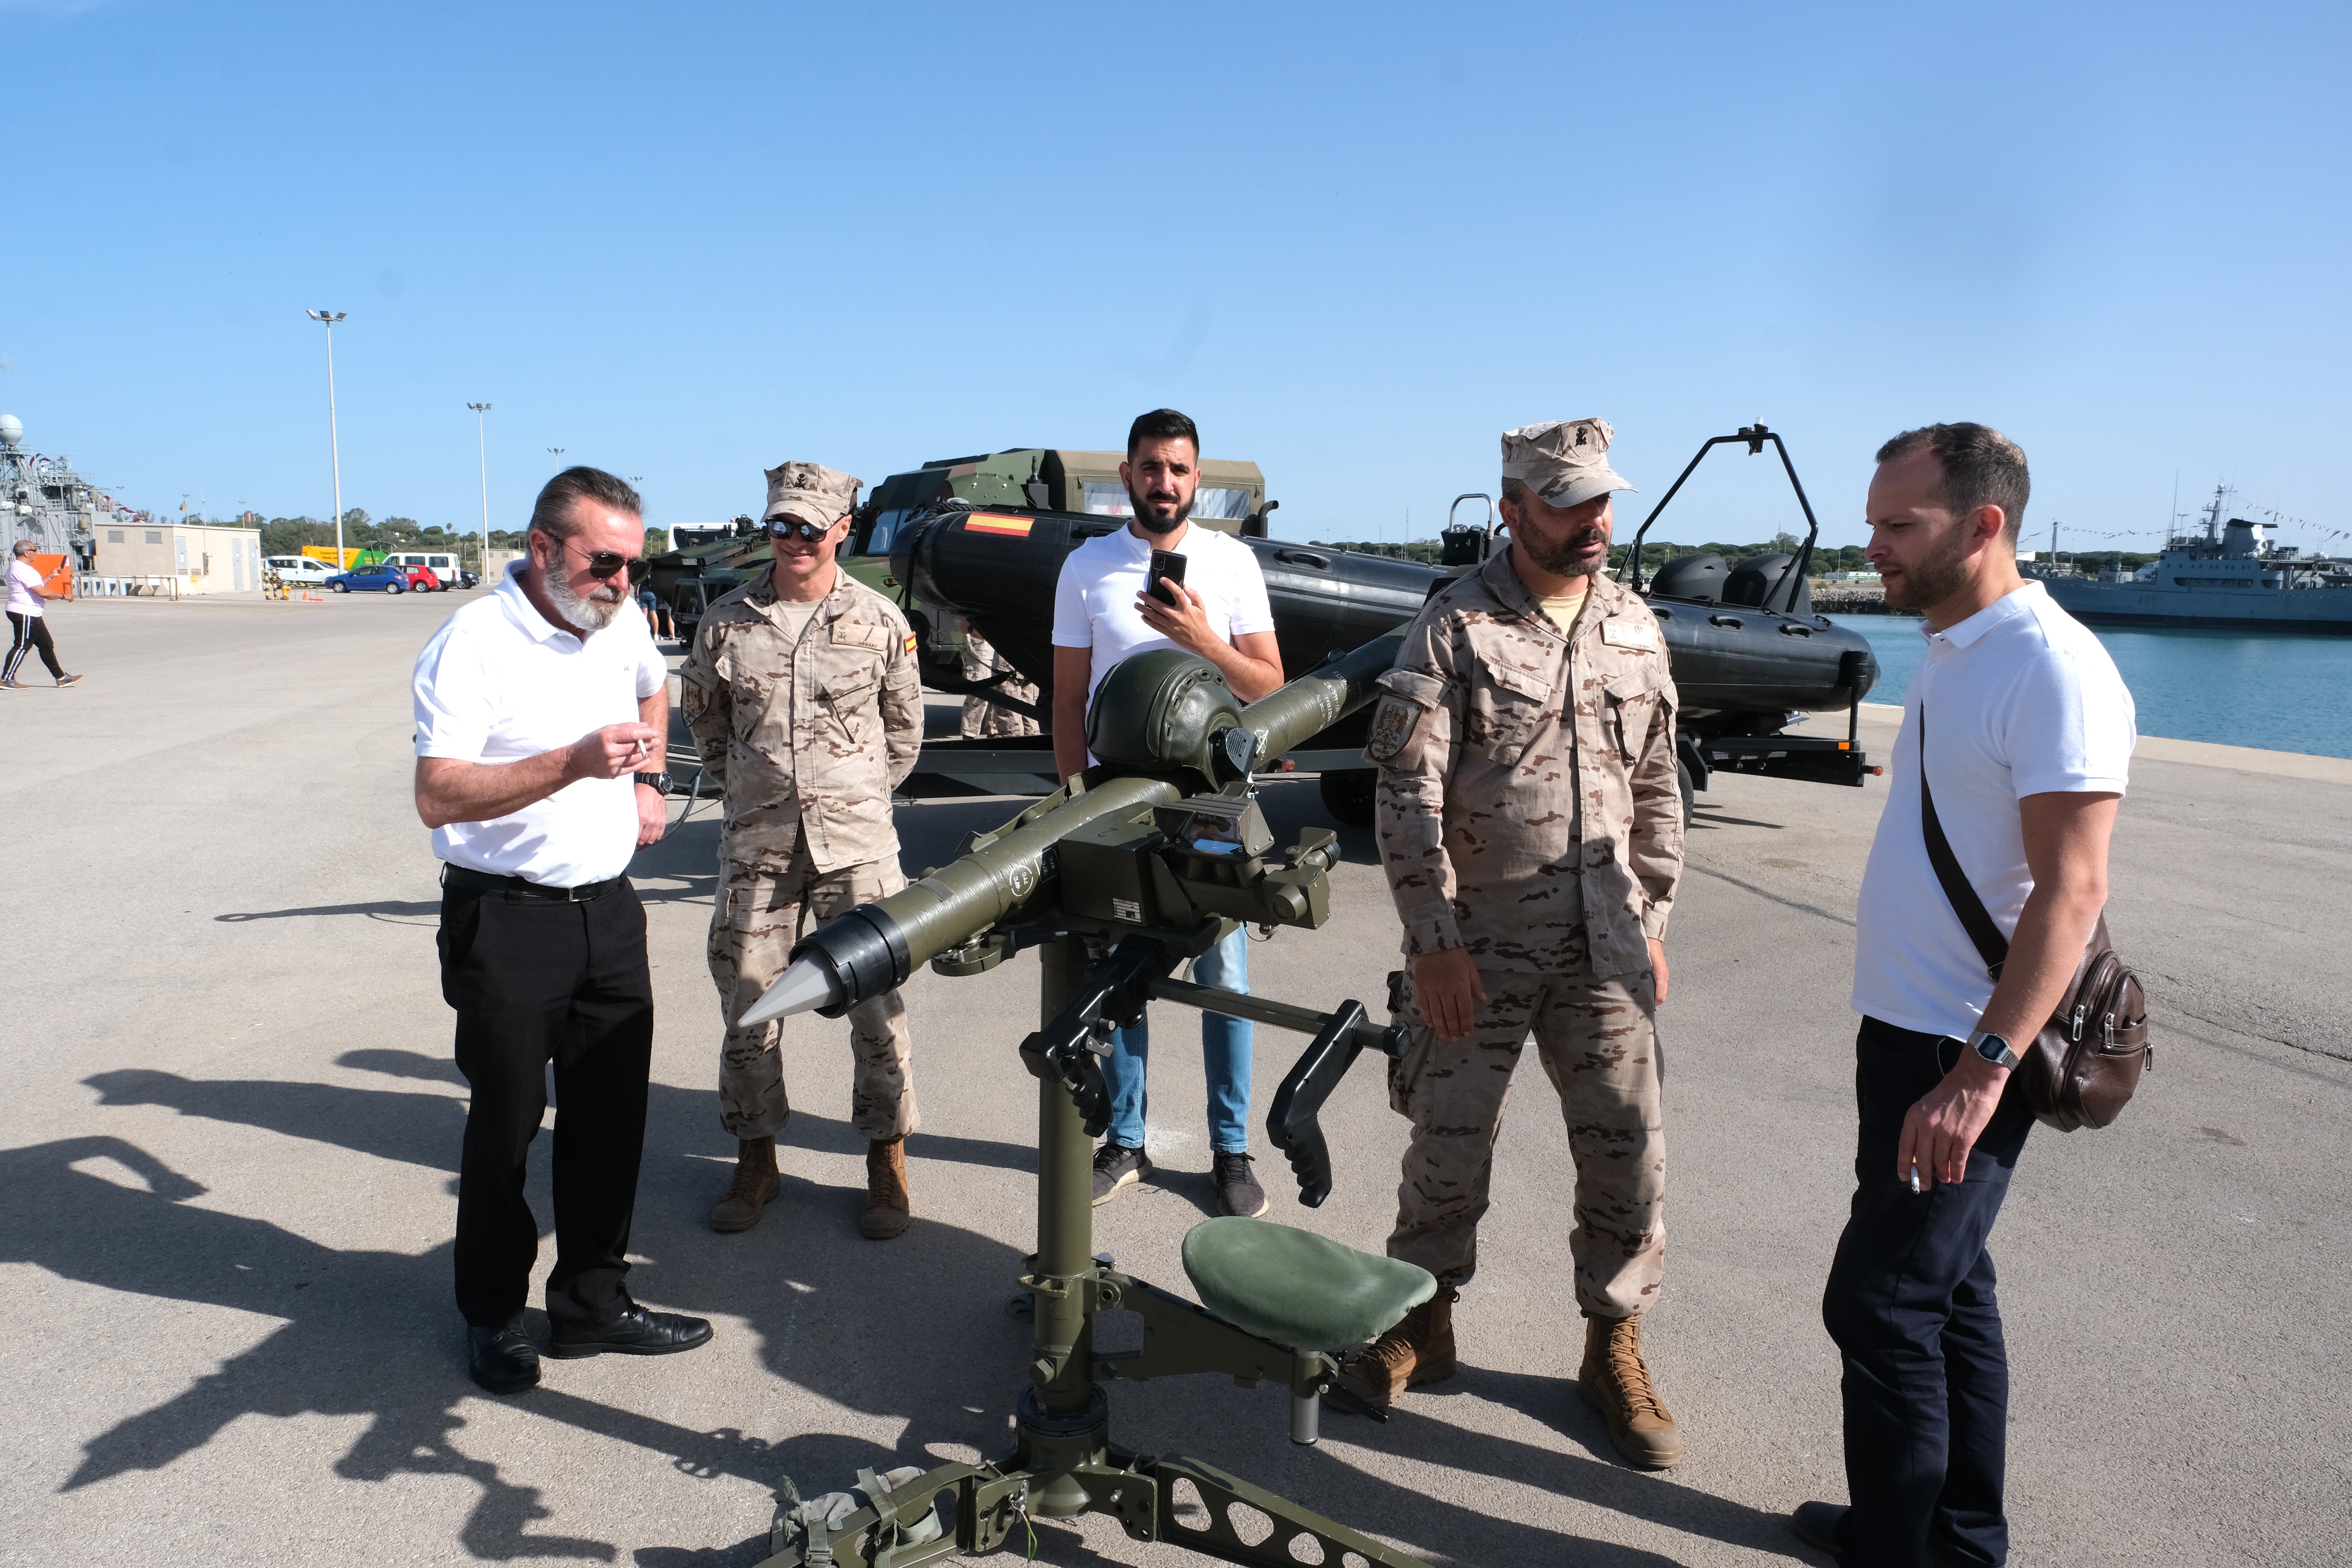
[(534, 707)]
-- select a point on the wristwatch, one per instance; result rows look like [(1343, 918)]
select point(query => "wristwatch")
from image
[(1989, 1045), (657, 782)]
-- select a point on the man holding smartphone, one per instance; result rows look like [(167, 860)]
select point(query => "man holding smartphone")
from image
[(1110, 603)]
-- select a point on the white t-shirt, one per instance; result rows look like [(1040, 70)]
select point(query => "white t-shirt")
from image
[(1094, 602), (497, 684), (25, 596), (2021, 699)]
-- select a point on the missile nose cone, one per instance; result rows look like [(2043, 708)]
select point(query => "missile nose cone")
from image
[(807, 984)]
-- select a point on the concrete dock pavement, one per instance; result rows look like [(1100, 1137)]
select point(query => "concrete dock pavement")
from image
[(228, 1137)]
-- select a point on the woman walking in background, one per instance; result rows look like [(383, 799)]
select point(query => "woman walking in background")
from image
[(28, 628)]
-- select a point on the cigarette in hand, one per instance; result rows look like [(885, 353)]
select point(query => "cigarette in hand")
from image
[(1915, 1177), (640, 751)]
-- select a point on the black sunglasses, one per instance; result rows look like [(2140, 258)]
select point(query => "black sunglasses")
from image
[(807, 532), (602, 564)]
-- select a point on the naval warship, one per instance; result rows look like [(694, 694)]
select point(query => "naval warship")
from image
[(2229, 577), (47, 502)]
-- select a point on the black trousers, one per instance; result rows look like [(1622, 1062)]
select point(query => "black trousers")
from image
[(536, 980), (28, 631), (1912, 1307)]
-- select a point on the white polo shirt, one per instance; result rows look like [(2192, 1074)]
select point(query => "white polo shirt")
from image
[(24, 582), (2021, 699), (1094, 602), (497, 683)]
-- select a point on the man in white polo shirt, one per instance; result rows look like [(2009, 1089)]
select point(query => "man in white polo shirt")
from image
[(1101, 615), (2022, 732), (534, 707)]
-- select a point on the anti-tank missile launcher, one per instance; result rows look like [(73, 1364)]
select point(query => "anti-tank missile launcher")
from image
[(1149, 856), (1160, 836)]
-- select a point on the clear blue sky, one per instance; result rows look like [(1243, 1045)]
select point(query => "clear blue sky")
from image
[(1354, 242)]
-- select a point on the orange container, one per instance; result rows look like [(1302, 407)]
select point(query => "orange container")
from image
[(56, 574)]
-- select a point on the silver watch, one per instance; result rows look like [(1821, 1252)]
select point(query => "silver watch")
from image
[(1993, 1049)]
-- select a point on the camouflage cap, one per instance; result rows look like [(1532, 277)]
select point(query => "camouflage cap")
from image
[(1564, 461), (811, 492)]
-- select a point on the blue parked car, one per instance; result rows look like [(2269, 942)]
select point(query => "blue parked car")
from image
[(382, 578)]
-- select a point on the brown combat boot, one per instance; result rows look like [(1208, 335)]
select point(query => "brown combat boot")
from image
[(1418, 1349), (756, 1183), (1616, 1381), (889, 1207)]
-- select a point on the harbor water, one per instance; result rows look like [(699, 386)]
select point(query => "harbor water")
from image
[(2277, 690)]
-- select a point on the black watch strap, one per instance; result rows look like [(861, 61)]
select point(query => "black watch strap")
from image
[(654, 781)]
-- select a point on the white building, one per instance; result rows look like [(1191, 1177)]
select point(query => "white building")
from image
[(204, 557)]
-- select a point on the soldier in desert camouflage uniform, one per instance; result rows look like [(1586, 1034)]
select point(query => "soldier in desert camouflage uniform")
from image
[(803, 696), (983, 719), (1531, 822)]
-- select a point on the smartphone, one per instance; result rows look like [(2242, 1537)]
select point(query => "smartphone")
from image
[(1167, 565)]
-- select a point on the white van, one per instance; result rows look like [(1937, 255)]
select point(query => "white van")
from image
[(299, 571), (445, 567)]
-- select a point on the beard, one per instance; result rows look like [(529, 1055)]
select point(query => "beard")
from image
[(1152, 524), (1560, 559), (1932, 579), (591, 613)]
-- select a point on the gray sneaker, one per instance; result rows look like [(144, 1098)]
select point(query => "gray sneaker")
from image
[(1115, 1167), (1237, 1191)]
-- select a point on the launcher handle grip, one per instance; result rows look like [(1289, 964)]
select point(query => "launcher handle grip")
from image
[(1294, 1124)]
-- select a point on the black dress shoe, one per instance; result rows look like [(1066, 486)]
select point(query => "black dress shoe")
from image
[(501, 1359), (1816, 1524), (635, 1332)]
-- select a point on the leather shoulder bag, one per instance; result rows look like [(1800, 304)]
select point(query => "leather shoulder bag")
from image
[(2081, 1069)]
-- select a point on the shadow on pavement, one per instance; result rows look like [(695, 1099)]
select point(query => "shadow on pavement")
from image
[(425, 1129), (383, 909), (915, 1330)]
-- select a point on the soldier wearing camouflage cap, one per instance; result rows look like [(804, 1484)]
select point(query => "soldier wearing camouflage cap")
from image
[(1530, 822), (803, 696)]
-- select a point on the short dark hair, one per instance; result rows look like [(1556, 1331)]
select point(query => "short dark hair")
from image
[(1165, 425), (1981, 468), (551, 514)]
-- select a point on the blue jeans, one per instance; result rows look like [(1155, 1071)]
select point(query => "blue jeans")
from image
[(1911, 1304), (1224, 1055)]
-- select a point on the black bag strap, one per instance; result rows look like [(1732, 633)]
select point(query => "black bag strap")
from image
[(1991, 946)]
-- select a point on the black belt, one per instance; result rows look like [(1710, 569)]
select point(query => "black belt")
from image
[(483, 882)]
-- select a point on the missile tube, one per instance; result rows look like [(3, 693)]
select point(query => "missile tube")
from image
[(875, 947), (1290, 717)]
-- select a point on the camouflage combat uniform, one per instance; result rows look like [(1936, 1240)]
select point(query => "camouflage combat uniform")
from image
[(1550, 850), (983, 719), (807, 736)]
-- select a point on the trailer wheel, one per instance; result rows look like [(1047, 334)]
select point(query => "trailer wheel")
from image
[(1348, 796), (1683, 780)]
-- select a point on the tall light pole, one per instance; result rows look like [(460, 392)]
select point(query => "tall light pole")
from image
[(482, 442), (334, 440)]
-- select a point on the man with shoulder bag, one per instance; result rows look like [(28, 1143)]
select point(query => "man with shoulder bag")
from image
[(2017, 737)]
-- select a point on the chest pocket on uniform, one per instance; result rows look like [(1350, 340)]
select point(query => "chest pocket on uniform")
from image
[(852, 668), (1631, 706), (1506, 709)]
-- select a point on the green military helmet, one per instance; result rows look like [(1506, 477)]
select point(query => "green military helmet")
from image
[(1161, 709)]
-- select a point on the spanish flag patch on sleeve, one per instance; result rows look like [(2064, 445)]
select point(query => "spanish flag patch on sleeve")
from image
[(909, 645)]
